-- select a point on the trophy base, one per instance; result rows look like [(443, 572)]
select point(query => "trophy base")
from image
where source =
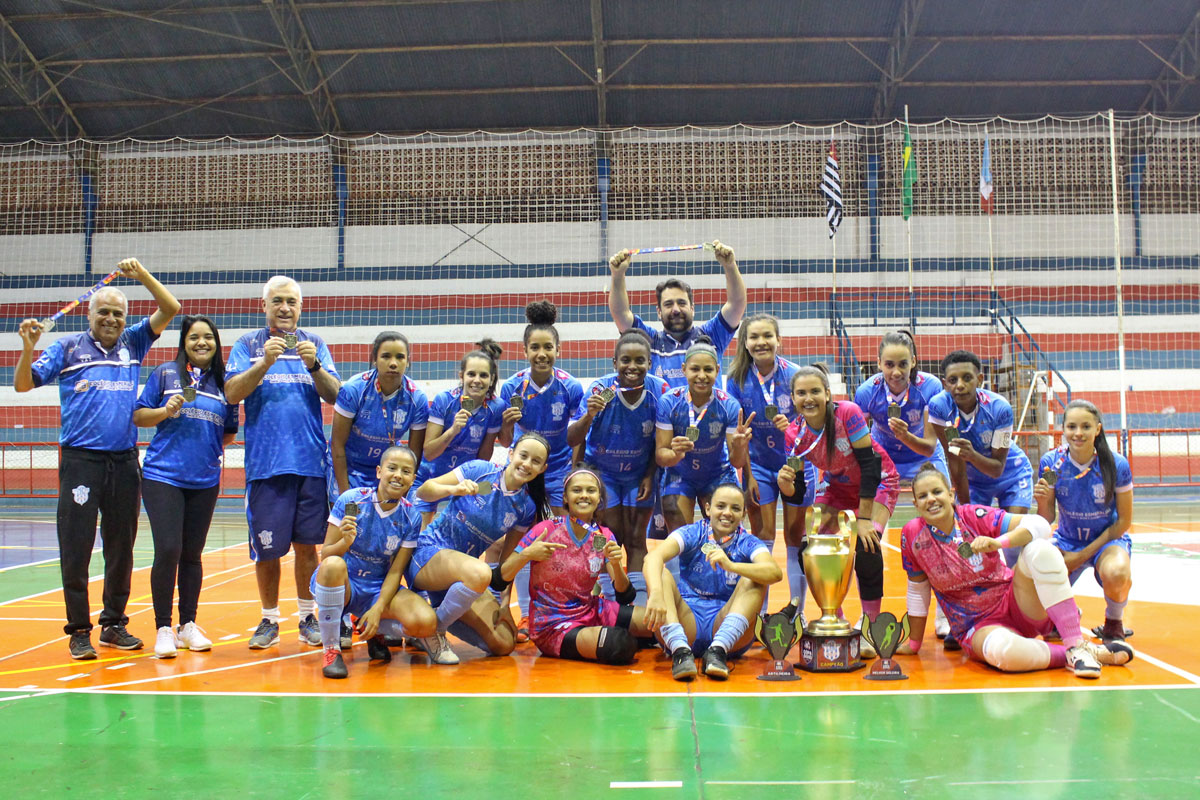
[(778, 671), (885, 669), (827, 653)]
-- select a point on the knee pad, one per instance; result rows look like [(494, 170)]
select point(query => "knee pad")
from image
[(869, 569), (1008, 652), (1044, 563), (615, 646)]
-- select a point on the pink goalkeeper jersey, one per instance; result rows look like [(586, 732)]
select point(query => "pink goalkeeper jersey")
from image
[(850, 426), (560, 588)]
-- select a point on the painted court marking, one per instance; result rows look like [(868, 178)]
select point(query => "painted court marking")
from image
[(645, 785)]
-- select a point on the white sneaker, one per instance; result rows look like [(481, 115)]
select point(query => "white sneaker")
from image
[(191, 637), (865, 651), (1082, 661), (439, 649), (1114, 653), (164, 643), (941, 625)]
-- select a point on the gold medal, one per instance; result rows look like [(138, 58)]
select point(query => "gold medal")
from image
[(468, 404), (795, 463), (1050, 476), (290, 340), (771, 412), (483, 488), (517, 402), (894, 411), (599, 542), (607, 394), (351, 510), (189, 394), (692, 433), (965, 550)]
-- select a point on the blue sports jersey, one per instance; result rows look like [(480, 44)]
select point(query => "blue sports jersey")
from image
[(990, 428), (97, 388), (465, 445), (470, 524), (284, 431), (697, 577), (378, 422), (1083, 513), (380, 536), (548, 410), (667, 352), (620, 442), (873, 397), (186, 450), (766, 446), (709, 457)]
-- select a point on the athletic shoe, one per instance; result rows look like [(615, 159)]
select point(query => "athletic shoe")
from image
[(950, 644), (714, 663), (265, 635), (81, 646), (164, 642), (334, 666), (683, 664), (1111, 654), (1113, 630), (523, 630), (941, 625), (116, 636), (377, 649), (439, 649), (1082, 661), (791, 608), (191, 637), (865, 651), (347, 637), (310, 631)]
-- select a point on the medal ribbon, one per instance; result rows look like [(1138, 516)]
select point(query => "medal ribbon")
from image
[(891, 398), (812, 446), (592, 528), (712, 535), (768, 392), (693, 420)]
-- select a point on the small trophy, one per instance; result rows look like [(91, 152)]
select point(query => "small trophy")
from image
[(189, 394), (468, 404), (885, 634), (1050, 477), (830, 643), (894, 411), (289, 341), (607, 394), (692, 433), (351, 510), (517, 402), (777, 633), (483, 488), (771, 412), (951, 435)]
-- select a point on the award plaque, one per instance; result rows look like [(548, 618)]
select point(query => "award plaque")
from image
[(1050, 477), (483, 488), (894, 411), (830, 643), (351, 510), (692, 433), (517, 402), (468, 404), (607, 394), (885, 634), (777, 633), (771, 412), (289, 341), (189, 394)]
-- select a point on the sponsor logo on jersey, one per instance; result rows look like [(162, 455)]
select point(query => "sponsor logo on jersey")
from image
[(81, 386)]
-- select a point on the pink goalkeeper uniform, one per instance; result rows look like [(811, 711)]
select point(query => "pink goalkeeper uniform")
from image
[(841, 475), (976, 591), (560, 588)]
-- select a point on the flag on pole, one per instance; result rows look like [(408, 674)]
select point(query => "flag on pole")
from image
[(910, 175), (985, 178), (831, 187)]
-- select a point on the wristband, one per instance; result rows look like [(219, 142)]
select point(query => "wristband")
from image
[(914, 645), (1003, 541), (314, 369)]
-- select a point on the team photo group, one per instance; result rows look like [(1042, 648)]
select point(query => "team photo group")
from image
[(421, 521)]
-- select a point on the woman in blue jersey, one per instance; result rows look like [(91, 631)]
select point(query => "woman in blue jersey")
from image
[(1091, 488), (375, 410), (368, 543), (463, 421), (617, 431), (702, 435), (184, 400), (487, 503), (760, 381)]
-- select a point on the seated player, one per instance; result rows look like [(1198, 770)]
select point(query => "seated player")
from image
[(487, 503), (364, 557), (724, 573), (858, 476), (1091, 488), (567, 555), (993, 610), (618, 434), (701, 436)]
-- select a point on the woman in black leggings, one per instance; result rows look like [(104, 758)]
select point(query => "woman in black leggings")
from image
[(181, 475)]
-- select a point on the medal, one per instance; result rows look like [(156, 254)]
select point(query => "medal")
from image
[(952, 434), (965, 550), (483, 488), (1050, 477), (351, 510), (607, 394), (189, 394), (289, 341), (708, 548), (517, 402), (795, 463), (599, 542), (772, 411), (893, 411), (692, 433), (468, 404)]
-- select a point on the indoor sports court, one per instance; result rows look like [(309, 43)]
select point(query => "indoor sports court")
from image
[(1021, 185)]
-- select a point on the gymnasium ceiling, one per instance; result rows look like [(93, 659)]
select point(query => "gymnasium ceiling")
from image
[(108, 69)]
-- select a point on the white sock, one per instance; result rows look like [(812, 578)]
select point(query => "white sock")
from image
[(305, 607), (271, 614)]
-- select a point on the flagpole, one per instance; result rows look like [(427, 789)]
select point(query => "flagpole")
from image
[(908, 229), (991, 243), (832, 235)]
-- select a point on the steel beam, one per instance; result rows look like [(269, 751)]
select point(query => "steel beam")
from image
[(1178, 73), (897, 59), (23, 73), (309, 77)]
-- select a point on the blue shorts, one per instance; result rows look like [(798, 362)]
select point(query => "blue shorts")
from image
[(1008, 491), (624, 492), (359, 600), (908, 469), (705, 610), (768, 488), (420, 557), (1075, 545), (357, 480), (674, 482), (284, 509)]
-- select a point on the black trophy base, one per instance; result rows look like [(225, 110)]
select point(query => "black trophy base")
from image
[(830, 653), (885, 669), (778, 671)]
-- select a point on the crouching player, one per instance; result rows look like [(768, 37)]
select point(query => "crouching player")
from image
[(368, 544), (568, 554), (993, 610), (724, 573)]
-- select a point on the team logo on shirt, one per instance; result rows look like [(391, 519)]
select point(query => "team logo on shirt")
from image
[(364, 413), (914, 416), (647, 427), (843, 446), (510, 519), (476, 431), (785, 404), (86, 357), (401, 416), (123, 354), (265, 537), (1098, 492), (595, 563), (981, 512), (80, 494), (557, 410), (391, 544), (714, 429)]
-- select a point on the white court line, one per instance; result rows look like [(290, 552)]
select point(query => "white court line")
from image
[(31, 619), (124, 665), (777, 783), (66, 678), (1055, 781), (645, 785), (229, 636), (1187, 676), (1177, 708)]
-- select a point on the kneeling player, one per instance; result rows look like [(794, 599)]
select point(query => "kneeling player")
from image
[(569, 553), (724, 573), (364, 557), (996, 612)]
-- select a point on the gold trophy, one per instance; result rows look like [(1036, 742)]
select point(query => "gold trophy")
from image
[(830, 643)]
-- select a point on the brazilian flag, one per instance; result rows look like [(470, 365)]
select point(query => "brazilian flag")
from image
[(910, 175)]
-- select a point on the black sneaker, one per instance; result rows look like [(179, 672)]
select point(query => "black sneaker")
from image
[(377, 649), (334, 666), (347, 637), (81, 646), (683, 664), (116, 636), (950, 644), (715, 666)]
